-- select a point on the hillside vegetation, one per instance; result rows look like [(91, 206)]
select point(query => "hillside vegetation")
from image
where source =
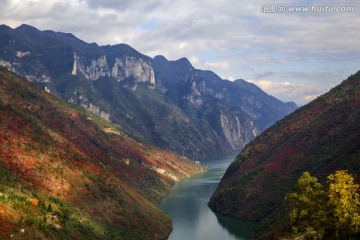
[(321, 138), (68, 174)]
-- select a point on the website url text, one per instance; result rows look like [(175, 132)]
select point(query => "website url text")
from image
[(282, 8)]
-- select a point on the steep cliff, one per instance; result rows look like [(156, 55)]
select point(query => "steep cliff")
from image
[(320, 138), (235, 112), (123, 68)]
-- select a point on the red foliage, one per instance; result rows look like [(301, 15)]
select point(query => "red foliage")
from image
[(358, 94), (354, 104), (56, 151), (275, 166), (6, 226)]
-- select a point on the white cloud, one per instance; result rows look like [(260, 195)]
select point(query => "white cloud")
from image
[(287, 91), (218, 65), (249, 44), (231, 78)]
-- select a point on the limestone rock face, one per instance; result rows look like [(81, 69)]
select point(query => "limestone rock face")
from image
[(96, 69), (137, 68), (124, 67), (236, 133)]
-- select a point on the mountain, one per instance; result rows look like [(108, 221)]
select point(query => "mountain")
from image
[(66, 173), (320, 137), (167, 103)]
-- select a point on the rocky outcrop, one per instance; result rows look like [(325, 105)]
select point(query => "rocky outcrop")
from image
[(137, 68), (86, 103), (124, 67), (21, 54), (194, 95), (97, 68), (236, 134), (7, 65)]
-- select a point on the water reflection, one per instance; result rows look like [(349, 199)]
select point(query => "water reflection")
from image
[(237, 227), (187, 206)]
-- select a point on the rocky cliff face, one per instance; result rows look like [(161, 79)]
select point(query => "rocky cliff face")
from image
[(137, 68), (86, 103), (97, 68), (168, 103), (123, 68), (237, 134)]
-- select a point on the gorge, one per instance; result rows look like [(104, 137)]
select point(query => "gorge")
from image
[(67, 159)]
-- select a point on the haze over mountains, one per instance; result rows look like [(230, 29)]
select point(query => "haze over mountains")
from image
[(167, 103)]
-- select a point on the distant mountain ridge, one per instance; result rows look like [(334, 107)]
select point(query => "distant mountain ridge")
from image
[(320, 137), (168, 103)]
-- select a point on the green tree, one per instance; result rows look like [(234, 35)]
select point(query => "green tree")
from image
[(344, 204), (308, 212), (319, 214)]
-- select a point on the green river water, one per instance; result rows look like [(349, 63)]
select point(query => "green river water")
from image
[(187, 206)]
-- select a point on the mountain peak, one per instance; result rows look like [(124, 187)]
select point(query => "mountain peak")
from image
[(249, 86), (67, 37), (122, 48), (4, 27), (184, 62), (25, 27), (292, 104), (160, 58), (240, 80)]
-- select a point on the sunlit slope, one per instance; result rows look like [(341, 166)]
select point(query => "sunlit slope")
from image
[(68, 174)]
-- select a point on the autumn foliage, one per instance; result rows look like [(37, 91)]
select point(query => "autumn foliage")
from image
[(325, 214), (320, 137), (68, 174)]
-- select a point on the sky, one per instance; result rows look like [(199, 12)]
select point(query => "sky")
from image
[(294, 56)]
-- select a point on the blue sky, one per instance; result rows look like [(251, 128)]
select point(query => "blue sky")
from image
[(293, 56)]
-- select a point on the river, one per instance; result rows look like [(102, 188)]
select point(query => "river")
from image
[(186, 204)]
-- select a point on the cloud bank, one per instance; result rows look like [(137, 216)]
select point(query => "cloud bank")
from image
[(234, 38), (287, 91)]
